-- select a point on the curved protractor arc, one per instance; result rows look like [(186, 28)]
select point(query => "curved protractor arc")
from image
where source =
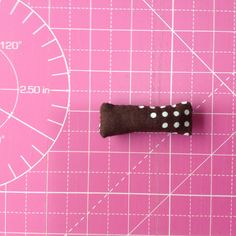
[(34, 89)]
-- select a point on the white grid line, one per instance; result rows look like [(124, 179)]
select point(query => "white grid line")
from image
[(135, 9), (80, 234), (49, 12), (212, 118), (154, 92), (130, 100), (171, 100), (182, 182), (233, 124), (144, 133), (110, 92), (198, 166), (116, 214), (191, 140), (150, 103), (133, 152), (68, 122), (143, 30), (155, 71), (135, 173), (148, 173), (119, 214), (89, 117), (117, 184), (46, 190), (26, 204), (191, 50), (149, 51), (5, 209), (118, 193)]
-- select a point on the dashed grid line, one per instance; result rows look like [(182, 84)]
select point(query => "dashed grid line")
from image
[(233, 124), (129, 102), (191, 50), (89, 116), (46, 194), (134, 9), (5, 210), (122, 193), (68, 172), (212, 152), (110, 100), (157, 92), (121, 173), (26, 204), (145, 30), (171, 101), (68, 123), (212, 118), (150, 103), (179, 185), (157, 152), (191, 141), (121, 214), (116, 185)]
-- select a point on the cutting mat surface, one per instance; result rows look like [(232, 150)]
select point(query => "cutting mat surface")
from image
[(135, 52)]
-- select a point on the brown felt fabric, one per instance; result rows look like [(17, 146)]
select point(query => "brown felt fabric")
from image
[(122, 119)]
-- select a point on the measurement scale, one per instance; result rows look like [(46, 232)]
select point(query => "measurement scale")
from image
[(34, 89)]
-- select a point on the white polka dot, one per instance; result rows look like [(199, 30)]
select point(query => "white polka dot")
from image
[(141, 107), (164, 125), (176, 124), (184, 102), (186, 134), (152, 107), (163, 106), (174, 133), (164, 113), (176, 113), (153, 115), (174, 105), (186, 112), (186, 124)]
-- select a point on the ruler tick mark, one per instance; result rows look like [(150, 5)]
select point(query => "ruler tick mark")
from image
[(59, 74), (40, 28), (48, 43), (57, 106), (14, 7), (36, 149), (12, 171), (55, 122), (55, 58), (27, 17), (26, 162)]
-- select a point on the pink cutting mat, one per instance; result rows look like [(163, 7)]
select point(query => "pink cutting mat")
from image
[(124, 52)]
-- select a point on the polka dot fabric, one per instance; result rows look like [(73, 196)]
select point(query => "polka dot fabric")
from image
[(122, 119)]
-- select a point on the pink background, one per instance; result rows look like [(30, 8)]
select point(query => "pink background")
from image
[(136, 52)]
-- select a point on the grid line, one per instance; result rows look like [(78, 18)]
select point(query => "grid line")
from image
[(150, 103), (191, 141), (233, 124), (171, 102), (141, 184), (212, 120)]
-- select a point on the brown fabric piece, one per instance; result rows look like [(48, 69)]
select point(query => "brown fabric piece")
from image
[(122, 119)]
